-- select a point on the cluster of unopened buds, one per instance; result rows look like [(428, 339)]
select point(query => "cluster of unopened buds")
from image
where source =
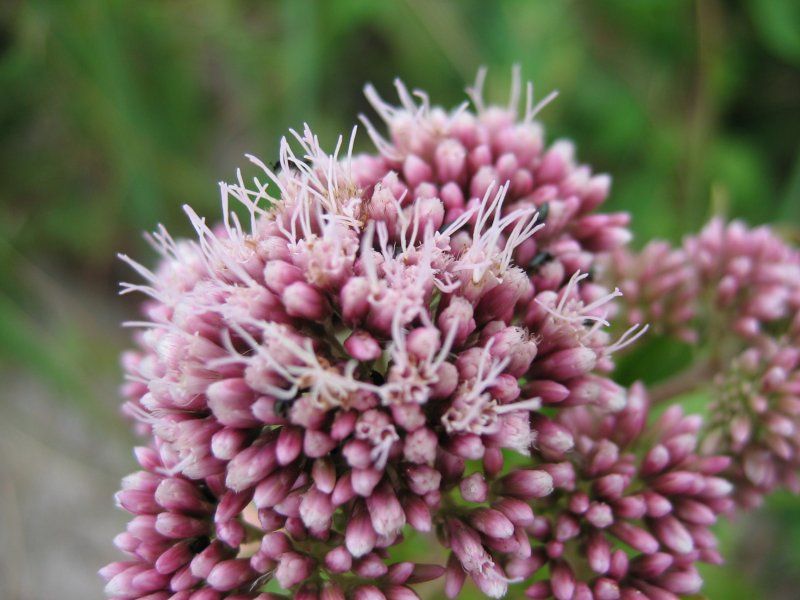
[(376, 349)]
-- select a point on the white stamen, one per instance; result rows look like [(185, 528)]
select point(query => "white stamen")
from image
[(627, 338)]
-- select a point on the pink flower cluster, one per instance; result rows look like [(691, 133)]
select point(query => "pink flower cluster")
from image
[(413, 340), (632, 507), (734, 292), (726, 279)]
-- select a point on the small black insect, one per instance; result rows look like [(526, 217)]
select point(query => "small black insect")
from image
[(540, 259), (544, 210), (282, 407), (199, 545)]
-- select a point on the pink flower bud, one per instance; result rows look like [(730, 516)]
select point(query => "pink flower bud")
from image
[(523, 568), (420, 446), (491, 522), (452, 196), (290, 505), (353, 299), (261, 563), (423, 479), (527, 483), (202, 563), (275, 543), (598, 552), (606, 589), (567, 364), (226, 443), (562, 581), (553, 438), (343, 490), (338, 560), (474, 488), (457, 315), (678, 483), (635, 537), (289, 444), (250, 466), (518, 512), (323, 472), (550, 392), (610, 486), (657, 505), (450, 160), (316, 510), (683, 581), (368, 592), (631, 507), (466, 445), (446, 381), (360, 537), (317, 443), (305, 301), (599, 515), (122, 584), (420, 573), (293, 568), (652, 565), (656, 459), (430, 211), (137, 501), (416, 170), (371, 567), (230, 401), (278, 275), (417, 513), (454, 577), (180, 495), (540, 590), (692, 511), (231, 504), (264, 410), (274, 488), (673, 534), (563, 474), (385, 511), (230, 574), (173, 525), (343, 424), (365, 480), (362, 346)]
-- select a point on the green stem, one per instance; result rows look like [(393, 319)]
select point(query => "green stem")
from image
[(686, 381)]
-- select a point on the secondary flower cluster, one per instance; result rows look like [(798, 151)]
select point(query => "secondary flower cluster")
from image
[(735, 293), (632, 507), (373, 344)]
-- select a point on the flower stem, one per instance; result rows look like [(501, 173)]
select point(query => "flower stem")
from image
[(685, 381)]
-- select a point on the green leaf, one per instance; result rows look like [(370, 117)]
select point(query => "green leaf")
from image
[(778, 24)]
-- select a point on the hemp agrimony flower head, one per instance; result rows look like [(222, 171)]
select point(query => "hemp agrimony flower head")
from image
[(413, 339)]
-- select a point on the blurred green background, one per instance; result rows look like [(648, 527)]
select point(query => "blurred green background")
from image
[(114, 113)]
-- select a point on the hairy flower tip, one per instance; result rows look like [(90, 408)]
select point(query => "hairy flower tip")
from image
[(640, 518), (316, 370), (755, 419)]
